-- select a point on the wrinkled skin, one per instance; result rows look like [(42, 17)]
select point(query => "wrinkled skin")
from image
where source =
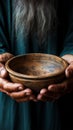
[(19, 93)]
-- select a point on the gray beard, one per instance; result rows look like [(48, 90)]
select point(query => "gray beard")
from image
[(34, 16)]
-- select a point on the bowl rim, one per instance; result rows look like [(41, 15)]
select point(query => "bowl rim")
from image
[(35, 77)]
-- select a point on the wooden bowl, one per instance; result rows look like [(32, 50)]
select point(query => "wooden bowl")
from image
[(36, 70)]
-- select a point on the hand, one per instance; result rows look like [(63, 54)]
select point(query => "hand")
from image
[(55, 91), (15, 90)]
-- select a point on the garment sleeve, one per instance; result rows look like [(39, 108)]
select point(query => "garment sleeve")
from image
[(68, 41), (4, 26)]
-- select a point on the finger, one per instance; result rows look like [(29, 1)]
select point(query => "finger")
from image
[(2, 82), (2, 90), (3, 72), (69, 70), (58, 88), (52, 95), (40, 97), (10, 87), (46, 93), (63, 88), (23, 99), (43, 91), (33, 98), (28, 91), (20, 94), (68, 58), (27, 98), (13, 87), (5, 56)]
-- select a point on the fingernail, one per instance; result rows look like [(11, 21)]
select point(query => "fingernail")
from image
[(2, 72), (50, 87), (20, 88)]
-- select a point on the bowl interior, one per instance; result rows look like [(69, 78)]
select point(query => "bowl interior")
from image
[(36, 65)]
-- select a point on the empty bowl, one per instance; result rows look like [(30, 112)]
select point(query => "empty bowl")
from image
[(36, 70)]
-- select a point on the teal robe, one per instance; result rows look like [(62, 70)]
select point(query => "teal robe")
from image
[(37, 115)]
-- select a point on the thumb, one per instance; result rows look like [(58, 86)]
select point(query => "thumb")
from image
[(68, 58), (69, 70), (5, 56), (3, 72)]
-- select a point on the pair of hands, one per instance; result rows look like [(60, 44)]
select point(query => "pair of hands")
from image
[(21, 94)]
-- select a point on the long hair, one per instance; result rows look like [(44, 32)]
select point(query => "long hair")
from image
[(34, 16)]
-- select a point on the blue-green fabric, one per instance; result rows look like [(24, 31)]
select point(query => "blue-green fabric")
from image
[(37, 115)]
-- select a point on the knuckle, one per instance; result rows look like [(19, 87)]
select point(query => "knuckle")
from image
[(5, 86), (2, 58)]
